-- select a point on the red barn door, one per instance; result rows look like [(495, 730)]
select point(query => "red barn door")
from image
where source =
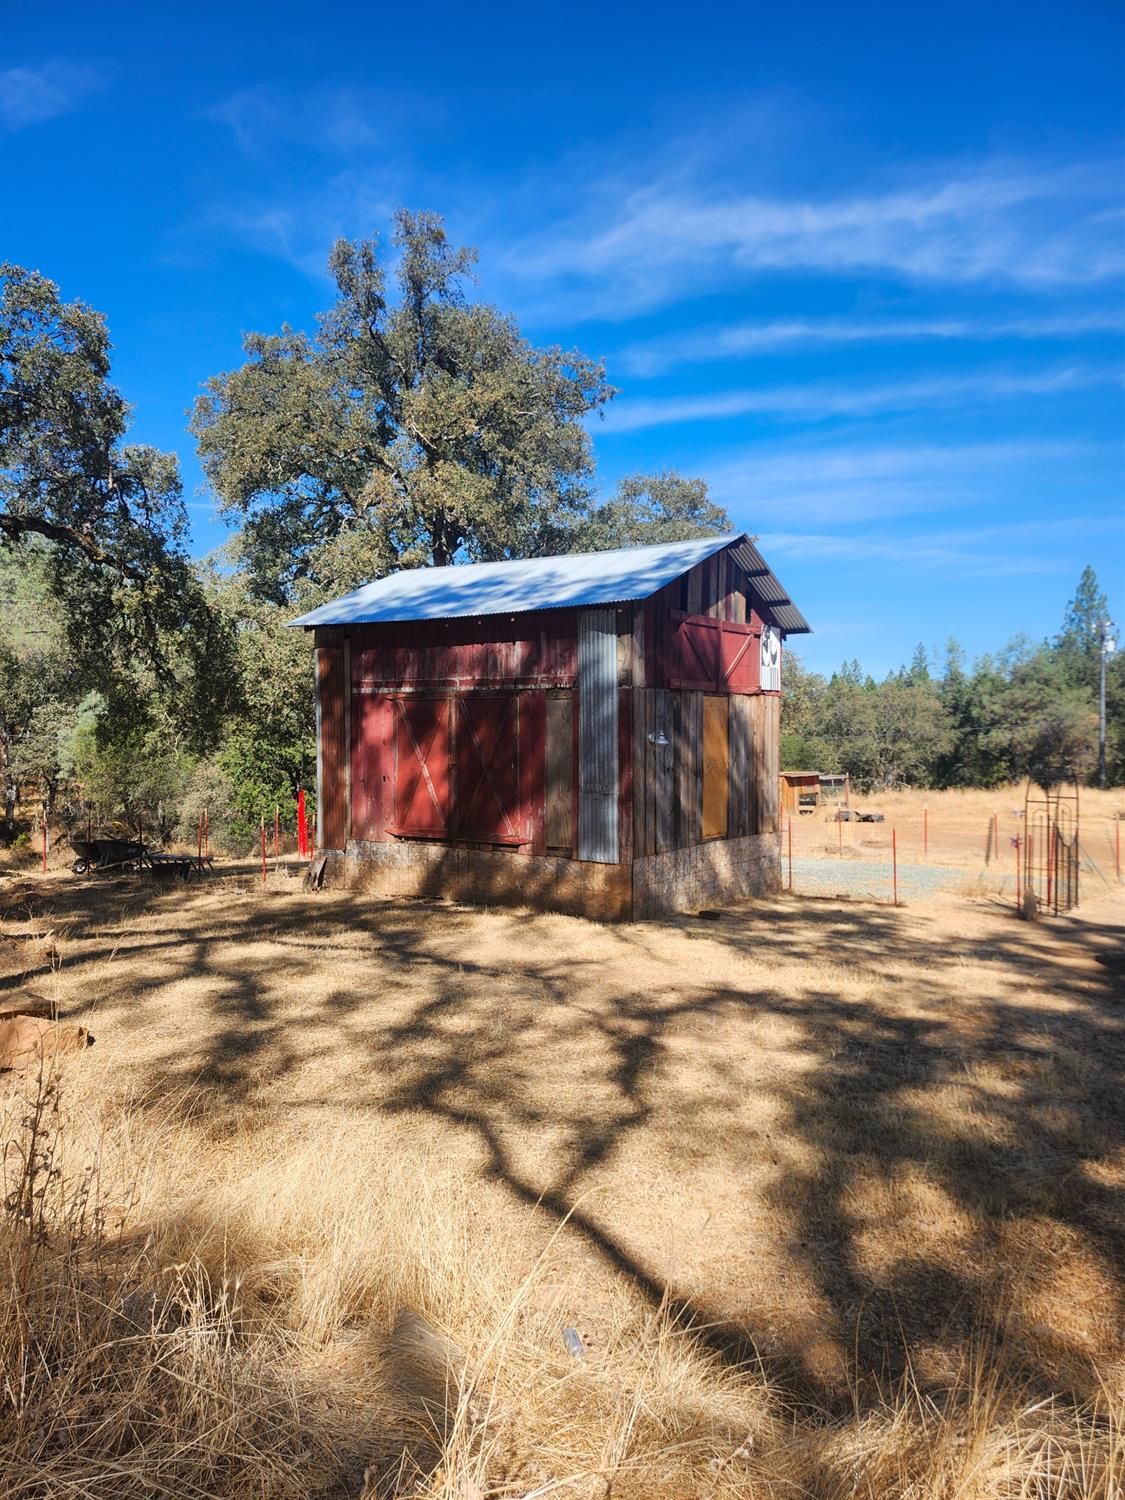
[(457, 768), (486, 744), (422, 791)]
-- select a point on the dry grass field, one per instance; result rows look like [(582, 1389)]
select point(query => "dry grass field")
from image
[(832, 1194), (957, 824)]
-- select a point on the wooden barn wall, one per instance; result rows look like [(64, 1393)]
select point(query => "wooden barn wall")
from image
[(716, 589), (743, 781), (332, 745), (532, 650), (658, 796), (467, 768), (669, 781), (766, 710)]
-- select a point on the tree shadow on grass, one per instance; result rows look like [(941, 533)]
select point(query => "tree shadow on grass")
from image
[(1006, 1103)]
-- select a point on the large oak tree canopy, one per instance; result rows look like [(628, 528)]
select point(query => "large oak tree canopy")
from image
[(65, 473), (103, 518), (405, 432)]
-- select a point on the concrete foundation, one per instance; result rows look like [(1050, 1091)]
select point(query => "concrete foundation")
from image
[(711, 874)]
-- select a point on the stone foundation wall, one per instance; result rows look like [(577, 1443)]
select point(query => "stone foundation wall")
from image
[(711, 874), (603, 892)]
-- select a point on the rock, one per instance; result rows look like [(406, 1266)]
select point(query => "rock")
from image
[(29, 1003), (27, 1040)]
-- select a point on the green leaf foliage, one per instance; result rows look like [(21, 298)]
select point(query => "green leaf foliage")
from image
[(413, 427)]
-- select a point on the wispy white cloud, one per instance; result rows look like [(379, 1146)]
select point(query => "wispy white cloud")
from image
[(337, 120), (846, 484), (1020, 548), (28, 96), (819, 400), (740, 339), (360, 202), (665, 241)]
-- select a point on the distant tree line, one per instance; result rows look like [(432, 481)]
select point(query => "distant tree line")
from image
[(415, 426), (1028, 710)]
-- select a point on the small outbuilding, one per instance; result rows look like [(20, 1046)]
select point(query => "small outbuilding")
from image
[(800, 792), (595, 733)]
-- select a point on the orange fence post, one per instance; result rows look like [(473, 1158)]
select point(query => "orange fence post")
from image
[(1019, 873), (790, 853), (206, 832), (44, 843), (894, 864)]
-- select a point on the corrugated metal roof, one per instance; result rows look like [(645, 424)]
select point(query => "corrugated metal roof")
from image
[(768, 587), (500, 588)]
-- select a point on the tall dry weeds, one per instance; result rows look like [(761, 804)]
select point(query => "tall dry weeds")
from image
[(191, 1319)]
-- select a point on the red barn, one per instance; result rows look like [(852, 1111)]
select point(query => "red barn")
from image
[(595, 733)]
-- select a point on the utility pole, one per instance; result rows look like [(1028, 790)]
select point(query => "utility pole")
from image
[(1106, 646)]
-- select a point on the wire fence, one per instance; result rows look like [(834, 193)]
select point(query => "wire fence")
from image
[(914, 858)]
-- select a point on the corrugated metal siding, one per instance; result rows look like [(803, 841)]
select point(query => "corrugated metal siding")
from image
[(597, 736)]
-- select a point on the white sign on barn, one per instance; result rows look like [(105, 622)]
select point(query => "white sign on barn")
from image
[(771, 659)]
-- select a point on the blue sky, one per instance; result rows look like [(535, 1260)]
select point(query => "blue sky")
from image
[(860, 267)]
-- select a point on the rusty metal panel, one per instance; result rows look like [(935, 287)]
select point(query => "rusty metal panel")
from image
[(597, 736)]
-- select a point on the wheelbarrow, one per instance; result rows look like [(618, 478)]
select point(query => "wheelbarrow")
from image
[(98, 855), (102, 854)]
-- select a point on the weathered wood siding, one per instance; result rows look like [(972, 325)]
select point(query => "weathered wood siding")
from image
[(560, 772), (530, 650), (743, 812), (600, 736), (766, 761), (701, 631), (332, 746), (716, 766)]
